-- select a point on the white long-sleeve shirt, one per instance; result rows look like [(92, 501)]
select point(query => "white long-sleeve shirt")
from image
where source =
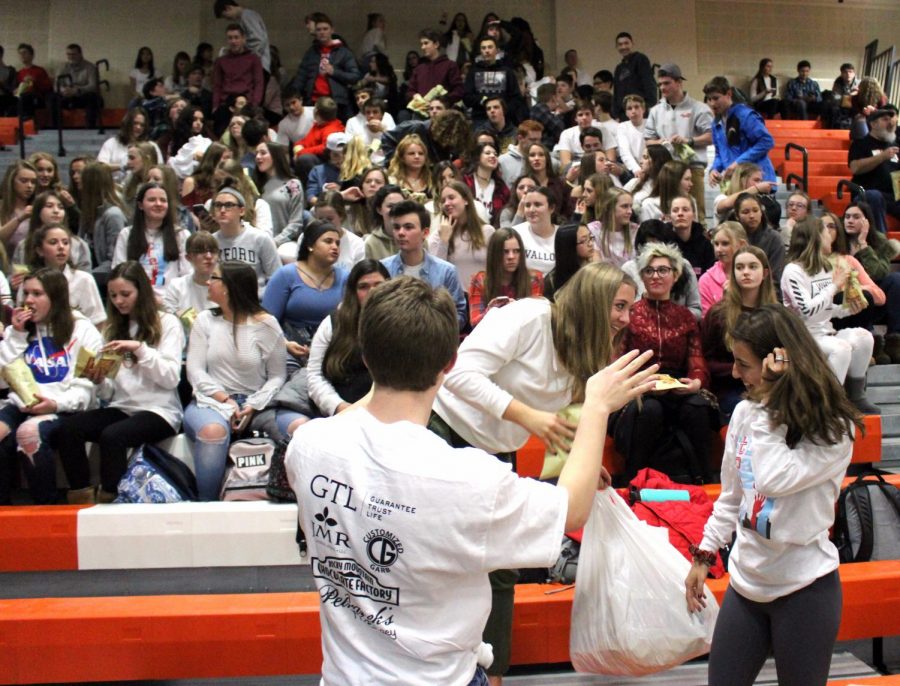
[(509, 355), (151, 383), (781, 501), (251, 360), (631, 145), (321, 391), (159, 271), (811, 297), (468, 262)]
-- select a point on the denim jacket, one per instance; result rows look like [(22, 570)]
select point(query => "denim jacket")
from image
[(436, 273)]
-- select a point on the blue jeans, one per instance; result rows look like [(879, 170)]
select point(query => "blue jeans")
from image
[(210, 457), (882, 204), (480, 678), (31, 441)]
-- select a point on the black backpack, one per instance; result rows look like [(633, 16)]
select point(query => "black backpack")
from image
[(868, 520)]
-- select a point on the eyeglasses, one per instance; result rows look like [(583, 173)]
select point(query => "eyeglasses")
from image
[(654, 271), (797, 205), (225, 205), (585, 241)]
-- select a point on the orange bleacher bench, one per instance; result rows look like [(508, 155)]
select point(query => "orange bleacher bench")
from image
[(170, 637)]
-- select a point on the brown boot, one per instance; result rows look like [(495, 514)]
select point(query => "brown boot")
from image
[(82, 496), (104, 497), (881, 357), (892, 347)]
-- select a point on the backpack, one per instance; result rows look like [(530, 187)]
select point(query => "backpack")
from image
[(247, 471), (278, 489), (155, 476), (868, 520)]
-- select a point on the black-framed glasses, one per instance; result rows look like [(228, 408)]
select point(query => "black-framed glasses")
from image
[(653, 271), (225, 205)]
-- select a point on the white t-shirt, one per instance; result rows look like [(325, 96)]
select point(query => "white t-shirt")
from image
[(402, 532), (540, 253)]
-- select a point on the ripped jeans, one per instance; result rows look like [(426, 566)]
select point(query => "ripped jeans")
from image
[(211, 456), (31, 441)]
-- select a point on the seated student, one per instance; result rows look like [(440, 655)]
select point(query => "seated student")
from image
[(189, 141), (603, 80), (379, 242), (747, 178), (48, 208), (764, 90), (802, 96), (538, 231), (544, 113), (141, 403), (690, 238), (164, 175), (749, 287), (873, 160), (50, 246), (750, 213), (809, 285), (512, 161), (514, 212), (195, 93), (674, 178), (569, 148), (369, 126), (574, 247), (630, 141), (359, 197), (199, 187), (257, 213), (102, 216), (238, 242), (603, 103), (300, 295), (642, 185), (337, 374), (236, 365), (447, 135), (191, 291), (154, 103), (331, 209), (411, 222), (565, 99), (670, 331), (46, 334), (612, 233), (685, 292), (506, 278), (395, 416), (799, 207), (310, 150), (325, 176), (141, 157), (498, 123), (485, 182), (278, 186), (727, 239), (410, 167), (490, 76), (154, 240), (461, 237), (35, 86), (16, 200)]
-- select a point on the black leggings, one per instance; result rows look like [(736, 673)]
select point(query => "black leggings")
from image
[(800, 629), (116, 432)]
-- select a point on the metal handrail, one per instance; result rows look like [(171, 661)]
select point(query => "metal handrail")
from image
[(855, 189), (57, 110), (869, 55), (804, 179), (20, 112)]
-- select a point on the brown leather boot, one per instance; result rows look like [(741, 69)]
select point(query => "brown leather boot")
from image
[(881, 357), (104, 497), (892, 347), (82, 496)]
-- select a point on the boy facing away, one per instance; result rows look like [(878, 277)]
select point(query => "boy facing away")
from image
[(403, 529)]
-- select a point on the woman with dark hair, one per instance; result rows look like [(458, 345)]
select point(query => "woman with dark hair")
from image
[(673, 179), (409, 65), (141, 402), (165, 132), (787, 450), (485, 182), (143, 71), (114, 151), (514, 212), (49, 210), (764, 90), (383, 79), (458, 39), (102, 216), (50, 246), (154, 239), (278, 186), (574, 249), (506, 278), (302, 294), (371, 181), (460, 236), (199, 186), (46, 335), (236, 365), (379, 242), (190, 140), (203, 57), (331, 209), (642, 185), (750, 211), (181, 67), (337, 375)]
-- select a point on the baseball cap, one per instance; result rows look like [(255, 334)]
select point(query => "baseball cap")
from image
[(336, 141), (672, 71)]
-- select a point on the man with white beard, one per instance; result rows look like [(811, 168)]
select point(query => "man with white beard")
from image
[(872, 161)]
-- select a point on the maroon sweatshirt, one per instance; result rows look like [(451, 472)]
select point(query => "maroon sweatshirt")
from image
[(442, 71), (237, 75)]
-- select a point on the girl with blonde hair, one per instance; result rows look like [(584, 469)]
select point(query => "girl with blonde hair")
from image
[(727, 239)]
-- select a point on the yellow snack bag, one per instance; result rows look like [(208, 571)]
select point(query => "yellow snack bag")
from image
[(21, 381), (88, 363)]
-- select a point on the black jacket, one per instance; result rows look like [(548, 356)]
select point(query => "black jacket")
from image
[(346, 72)]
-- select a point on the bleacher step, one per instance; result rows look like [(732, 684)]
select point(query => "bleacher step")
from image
[(884, 375), (883, 394)]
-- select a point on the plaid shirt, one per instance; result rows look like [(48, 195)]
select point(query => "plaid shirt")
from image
[(798, 90), (553, 124)]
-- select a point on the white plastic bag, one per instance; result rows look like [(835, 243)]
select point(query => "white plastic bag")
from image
[(630, 616)]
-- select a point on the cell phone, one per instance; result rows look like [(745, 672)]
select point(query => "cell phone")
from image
[(245, 420), (201, 212)]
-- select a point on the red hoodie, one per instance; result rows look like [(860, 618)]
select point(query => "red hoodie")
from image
[(314, 142)]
